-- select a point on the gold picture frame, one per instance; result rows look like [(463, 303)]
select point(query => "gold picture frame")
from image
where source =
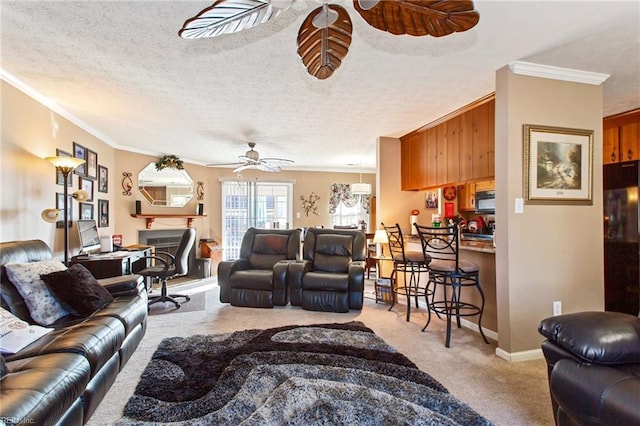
[(558, 165)]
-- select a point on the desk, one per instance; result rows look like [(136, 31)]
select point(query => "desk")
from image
[(115, 264)]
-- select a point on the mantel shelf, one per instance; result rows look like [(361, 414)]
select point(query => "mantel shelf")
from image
[(151, 217)]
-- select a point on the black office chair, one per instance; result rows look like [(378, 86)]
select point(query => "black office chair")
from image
[(170, 266)]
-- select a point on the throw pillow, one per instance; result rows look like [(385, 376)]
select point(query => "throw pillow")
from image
[(43, 306), (16, 334), (78, 290)]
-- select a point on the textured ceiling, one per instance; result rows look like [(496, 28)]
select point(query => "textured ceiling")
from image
[(121, 68)]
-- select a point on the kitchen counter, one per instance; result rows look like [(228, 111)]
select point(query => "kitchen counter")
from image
[(480, 246)]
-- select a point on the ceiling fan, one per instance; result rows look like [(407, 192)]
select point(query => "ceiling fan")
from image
[(325, 35), (251, 160)]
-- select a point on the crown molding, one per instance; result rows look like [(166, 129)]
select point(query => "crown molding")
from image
[(53, 106), (557, 73)]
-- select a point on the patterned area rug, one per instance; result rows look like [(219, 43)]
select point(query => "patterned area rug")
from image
[(298, 375)]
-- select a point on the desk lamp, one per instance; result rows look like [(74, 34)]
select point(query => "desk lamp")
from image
[(380, 238)]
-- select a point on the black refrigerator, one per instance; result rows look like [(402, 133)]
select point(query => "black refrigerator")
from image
[(621, 248)]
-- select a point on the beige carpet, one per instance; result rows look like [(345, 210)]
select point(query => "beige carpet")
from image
[(506, 393)]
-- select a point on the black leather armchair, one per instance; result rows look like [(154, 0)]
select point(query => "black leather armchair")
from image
[(258, 277), (330, 276), (593, 361)]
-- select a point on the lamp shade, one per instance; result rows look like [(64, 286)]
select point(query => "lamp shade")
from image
[(380, 237), (65, 162), (80, 195), (361, 188), (50, 215)]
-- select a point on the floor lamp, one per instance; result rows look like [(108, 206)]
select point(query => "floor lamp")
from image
[(65, 165)]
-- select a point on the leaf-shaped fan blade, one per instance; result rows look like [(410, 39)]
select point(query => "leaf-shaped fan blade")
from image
[(269, 167), (243, 167), (322, 49), (228, 16), (278, 161), (421, 17)]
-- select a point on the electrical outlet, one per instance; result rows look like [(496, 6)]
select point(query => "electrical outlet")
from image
[(557, 308)]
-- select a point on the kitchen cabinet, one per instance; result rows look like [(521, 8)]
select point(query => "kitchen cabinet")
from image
[(620, 137), (467, 197), (456, 148), (486, 185), (413, 163)]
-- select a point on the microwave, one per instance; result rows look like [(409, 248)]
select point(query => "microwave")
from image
[(485, 202)]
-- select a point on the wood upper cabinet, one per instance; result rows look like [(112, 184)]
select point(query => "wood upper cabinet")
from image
[(457, 149), (453, 150), (413, 162), (467, 197), (620, 137)]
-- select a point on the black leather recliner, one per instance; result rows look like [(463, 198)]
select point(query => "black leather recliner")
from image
[(258, 277), (330, 276), (593, 361)]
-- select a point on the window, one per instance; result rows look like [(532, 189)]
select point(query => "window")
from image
[(346, 208), (266, 205)]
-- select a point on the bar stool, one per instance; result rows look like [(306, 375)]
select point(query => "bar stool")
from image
[(408, 263), (447, 270)]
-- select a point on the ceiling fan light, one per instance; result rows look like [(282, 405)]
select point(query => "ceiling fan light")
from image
[(325, 18), (367, 4)]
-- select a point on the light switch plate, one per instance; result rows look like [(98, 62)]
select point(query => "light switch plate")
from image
[(519, 205)]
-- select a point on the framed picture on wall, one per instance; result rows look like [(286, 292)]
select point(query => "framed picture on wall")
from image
[(87, 185), (92, 164), (80, 152), (103, 213), (60, 206), (103, 179), (86, 211), (558, 165), (59, 177)]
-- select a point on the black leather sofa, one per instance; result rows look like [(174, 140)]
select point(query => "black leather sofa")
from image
[(61, 378), (593, 361)]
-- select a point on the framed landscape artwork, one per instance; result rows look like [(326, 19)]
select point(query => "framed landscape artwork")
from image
[(80, 152), (558, 165)]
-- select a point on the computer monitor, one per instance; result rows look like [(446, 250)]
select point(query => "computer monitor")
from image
[(89, 238)]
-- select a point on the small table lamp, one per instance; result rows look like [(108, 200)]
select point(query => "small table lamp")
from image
[(380, 238)]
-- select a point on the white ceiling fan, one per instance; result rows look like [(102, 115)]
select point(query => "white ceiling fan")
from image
[(251, 160)]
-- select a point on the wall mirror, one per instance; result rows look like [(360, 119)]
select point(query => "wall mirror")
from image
[(166, 188)]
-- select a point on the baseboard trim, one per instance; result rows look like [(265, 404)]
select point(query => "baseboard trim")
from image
[(519, 356), (474, 327)]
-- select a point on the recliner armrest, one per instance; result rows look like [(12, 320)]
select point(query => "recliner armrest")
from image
[(607, 338), (596, 394), (123, 285), (295, 275)]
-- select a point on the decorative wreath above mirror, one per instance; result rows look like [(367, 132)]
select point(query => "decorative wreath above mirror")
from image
[(169, 162)]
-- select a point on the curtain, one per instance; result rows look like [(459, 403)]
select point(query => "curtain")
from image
[(341, 193)]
